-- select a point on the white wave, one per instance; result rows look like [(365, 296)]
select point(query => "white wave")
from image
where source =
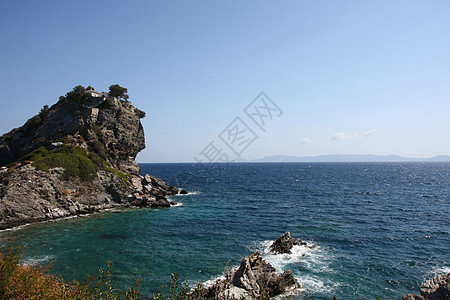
[(177, 204), (316, 260), (15, 228), (280, 261), (188, 193), (313, 284), (437, 271), (210, 282), (33, 261)]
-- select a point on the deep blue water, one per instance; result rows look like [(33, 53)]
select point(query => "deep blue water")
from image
[(381, 228)]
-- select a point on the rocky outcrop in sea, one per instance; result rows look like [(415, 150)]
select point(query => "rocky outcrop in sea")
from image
[(76, 157), (253, 279), (284, 244), (435, 288)]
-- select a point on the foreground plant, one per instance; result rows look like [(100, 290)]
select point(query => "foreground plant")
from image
[(19, 281)]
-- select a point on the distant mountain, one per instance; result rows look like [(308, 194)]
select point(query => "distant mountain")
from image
[(348, 158)]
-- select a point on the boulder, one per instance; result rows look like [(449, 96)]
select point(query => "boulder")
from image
[(183, 192), (254, 279), (160, 202), (285, 243), (435, 288), (160, 185), (136, 183)]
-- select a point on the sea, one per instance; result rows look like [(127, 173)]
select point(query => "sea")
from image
[(380, 229)]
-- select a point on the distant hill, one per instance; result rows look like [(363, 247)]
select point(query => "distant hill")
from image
[(348, 158)]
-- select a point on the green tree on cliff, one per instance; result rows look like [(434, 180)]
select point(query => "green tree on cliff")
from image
[(119, 92), (78, 95)]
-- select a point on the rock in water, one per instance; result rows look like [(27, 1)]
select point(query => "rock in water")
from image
[(254, 279), (284, 244), (435, 288)]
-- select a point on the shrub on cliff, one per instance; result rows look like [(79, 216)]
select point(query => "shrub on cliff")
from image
[(139, 113), (36, 154), (77, 95), (119, 92), (74, 160), (99, 148)]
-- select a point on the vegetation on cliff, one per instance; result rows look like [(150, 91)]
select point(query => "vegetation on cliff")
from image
[(76, 157), (102, 123)]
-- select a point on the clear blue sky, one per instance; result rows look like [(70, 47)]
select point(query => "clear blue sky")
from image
[(368, 77)]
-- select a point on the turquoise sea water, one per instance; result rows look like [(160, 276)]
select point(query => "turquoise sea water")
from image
[(381, 228)]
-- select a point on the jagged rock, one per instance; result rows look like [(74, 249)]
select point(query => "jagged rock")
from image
[(160, 185), (160, 202), (117, 127), (285, 243), (435, 288), (106, 130), (255, 278), (136, 183), (183, 192), (28, 195)]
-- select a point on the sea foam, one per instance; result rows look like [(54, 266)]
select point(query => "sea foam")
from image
[(33, 261)]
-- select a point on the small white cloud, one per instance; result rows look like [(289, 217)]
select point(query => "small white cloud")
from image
[(306, 140), (339, 136), (370, 133)]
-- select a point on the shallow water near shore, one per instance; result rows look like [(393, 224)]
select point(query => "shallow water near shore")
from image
[(381, 228)]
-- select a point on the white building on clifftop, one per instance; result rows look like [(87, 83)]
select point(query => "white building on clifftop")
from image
[(94, 93)]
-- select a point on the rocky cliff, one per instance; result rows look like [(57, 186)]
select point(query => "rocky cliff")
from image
[(75, 157)]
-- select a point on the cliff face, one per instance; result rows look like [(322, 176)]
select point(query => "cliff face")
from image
[(76, 157), (110, 127)]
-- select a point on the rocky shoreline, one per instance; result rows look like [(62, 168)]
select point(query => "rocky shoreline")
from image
[(29, 195)]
